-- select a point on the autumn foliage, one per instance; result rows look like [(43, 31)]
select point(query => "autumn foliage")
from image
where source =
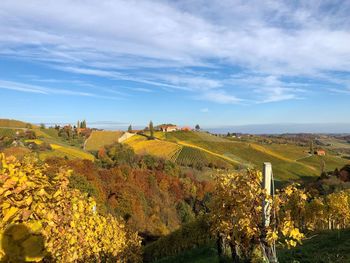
[(41, 217)]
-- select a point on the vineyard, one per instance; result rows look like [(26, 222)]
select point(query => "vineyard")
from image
[(163, 149), (193, 157), (98, 139)]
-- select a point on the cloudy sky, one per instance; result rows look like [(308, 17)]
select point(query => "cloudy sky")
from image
[(218, 62)]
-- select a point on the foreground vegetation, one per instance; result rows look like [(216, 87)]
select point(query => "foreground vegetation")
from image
[(42, 218)]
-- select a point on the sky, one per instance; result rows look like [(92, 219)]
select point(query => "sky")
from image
[(216, 63)]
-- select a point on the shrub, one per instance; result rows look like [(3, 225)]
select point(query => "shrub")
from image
[(42, 218)]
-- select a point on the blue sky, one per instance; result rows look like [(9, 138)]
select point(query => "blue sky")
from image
[(215, 63)]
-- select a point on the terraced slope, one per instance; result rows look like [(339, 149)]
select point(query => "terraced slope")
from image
[(98, 139)]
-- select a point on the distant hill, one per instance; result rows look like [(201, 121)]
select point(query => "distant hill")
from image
[(7, 123)]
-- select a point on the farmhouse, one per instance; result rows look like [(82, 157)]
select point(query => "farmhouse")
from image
[(321, 152), (186, 128), (167, 128)]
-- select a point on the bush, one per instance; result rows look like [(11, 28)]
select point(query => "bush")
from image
[(41, 218), (116, 154)]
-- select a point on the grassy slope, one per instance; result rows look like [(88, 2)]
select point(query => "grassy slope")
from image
[(179, 151), (59, 147), (290, 162), (331, 162), (249, 154), (6, 123), (99, 139), (326, 247)]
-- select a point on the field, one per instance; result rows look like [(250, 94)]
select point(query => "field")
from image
[(163, 149), (99, 139), (72, 152)]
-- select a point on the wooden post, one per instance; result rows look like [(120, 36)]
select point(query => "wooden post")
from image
[(266, 184), (270, 250)]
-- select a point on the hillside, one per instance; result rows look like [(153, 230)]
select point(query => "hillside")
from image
[(99, 139), (55, 146), (200, 149), (7, 123), (180, 152), (250, 154)]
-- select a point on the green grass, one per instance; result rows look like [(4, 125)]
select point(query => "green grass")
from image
[(290, 151), (325, 247), (99, 139), (331, 162)]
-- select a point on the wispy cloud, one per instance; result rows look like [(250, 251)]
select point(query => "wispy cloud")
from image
[(131, 40), (23, 87)]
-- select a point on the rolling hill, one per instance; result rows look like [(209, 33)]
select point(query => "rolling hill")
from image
[(290, 162), (99, 139)]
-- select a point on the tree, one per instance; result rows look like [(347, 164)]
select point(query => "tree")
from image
[(130, 128), (151, 130), (47, 207), (42, 126), (312, 146), (237, 210), (197, 127), (83, 124)]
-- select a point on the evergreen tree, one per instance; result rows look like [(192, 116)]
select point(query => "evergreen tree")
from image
[(197, 127), (312, 147), (83, 124), (151, 130), (130, 128)]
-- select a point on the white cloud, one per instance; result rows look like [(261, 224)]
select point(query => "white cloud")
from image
[(204, 110), (24, 87), (126, 39)]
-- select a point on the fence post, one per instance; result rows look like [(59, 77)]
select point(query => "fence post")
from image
[(270, 250), (266, 184)]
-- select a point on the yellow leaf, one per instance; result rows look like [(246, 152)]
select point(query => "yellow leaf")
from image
[(10, 213)]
